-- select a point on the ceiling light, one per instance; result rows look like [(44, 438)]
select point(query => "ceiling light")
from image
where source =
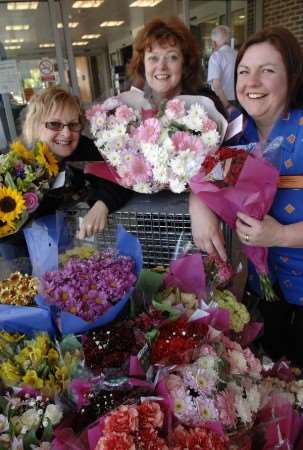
[(13, 41), (70, 24), (18, 6), (12, 47), (47, 45), (16, 27), (112, 23), (88, 4), (78, 44), (145, 3), (241, 17), (90, 36)]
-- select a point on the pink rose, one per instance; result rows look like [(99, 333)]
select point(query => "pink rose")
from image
[(31, 201)]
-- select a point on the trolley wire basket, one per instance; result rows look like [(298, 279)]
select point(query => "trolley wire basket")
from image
[(160, 221)]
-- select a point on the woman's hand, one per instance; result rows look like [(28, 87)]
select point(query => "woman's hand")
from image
[(205, 226), (264, 233), (94, 221)]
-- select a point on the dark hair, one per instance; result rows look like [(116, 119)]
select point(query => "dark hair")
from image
[(172, 32), (288, 47)]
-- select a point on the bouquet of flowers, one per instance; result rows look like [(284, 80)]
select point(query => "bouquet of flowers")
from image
[(148, 152), (24, 177), (18, 289), (38, 363), (27, 420), (233, 180), (220, 386)]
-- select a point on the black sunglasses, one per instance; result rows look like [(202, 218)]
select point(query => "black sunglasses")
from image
[(58, 126)]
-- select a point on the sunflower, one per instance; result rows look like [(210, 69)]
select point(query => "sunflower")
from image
[(47, 159), (6, 228), (12, 204), (21, 150)]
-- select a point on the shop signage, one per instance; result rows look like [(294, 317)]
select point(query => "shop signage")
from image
[(9, 78), (46, 68)]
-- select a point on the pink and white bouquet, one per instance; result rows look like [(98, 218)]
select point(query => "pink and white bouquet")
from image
[(148, 151)]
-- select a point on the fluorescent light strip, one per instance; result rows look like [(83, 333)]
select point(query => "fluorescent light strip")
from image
[(80, 43), (112, 23), (13, 41), (90, 36), (22, 6), (12, 47), (70, 24), (145, 3), (47, 45), (87, 4), (17, 27)]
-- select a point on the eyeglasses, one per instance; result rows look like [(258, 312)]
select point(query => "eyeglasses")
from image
[(58, 126)]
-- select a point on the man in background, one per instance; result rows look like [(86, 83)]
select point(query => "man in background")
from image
[(221, 65)]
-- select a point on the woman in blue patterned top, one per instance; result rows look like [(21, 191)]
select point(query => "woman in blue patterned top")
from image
[(269, 88)]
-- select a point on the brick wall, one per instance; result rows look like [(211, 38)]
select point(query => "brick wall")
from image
[(288, 13)]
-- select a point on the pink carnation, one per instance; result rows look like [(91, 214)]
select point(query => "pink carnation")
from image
[(185, 141), (150, 414), (116, 441), (208, 125), (149, 131), (125, 114), (175, 108), (95, 109), (123, 420), (31, 201)]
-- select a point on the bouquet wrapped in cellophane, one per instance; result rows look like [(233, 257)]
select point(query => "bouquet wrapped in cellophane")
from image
[(25, 174), (147, 150)]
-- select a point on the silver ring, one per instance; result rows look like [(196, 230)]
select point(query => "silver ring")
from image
[(246, 237)]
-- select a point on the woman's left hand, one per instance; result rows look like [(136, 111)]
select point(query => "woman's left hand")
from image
[(94, 221), (263, 233)]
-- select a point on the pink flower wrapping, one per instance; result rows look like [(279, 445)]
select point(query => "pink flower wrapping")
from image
[(252, 194)]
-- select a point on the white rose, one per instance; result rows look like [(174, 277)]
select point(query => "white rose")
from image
[(53, 413)]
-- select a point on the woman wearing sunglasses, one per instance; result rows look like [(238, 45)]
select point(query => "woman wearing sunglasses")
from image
[(55, 117)]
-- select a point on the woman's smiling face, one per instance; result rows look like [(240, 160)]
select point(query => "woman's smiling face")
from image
[(262, 84), (63, 142), (164, 69)]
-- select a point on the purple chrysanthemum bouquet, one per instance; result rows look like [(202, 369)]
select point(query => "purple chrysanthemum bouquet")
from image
[(88, 287)]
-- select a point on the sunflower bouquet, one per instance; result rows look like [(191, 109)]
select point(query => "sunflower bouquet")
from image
[(25, 174)]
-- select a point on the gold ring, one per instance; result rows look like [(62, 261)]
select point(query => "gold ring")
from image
[(246, 237)]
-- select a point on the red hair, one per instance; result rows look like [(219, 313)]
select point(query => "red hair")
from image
[(166, 32)]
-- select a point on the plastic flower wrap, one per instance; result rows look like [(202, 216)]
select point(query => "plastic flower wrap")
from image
[(38, 363), (88, 292), (233, 180), (25, 174), (221, 386), (151, 152), (27, 420)]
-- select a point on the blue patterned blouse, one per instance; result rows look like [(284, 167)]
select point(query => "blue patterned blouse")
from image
[(286, 264)]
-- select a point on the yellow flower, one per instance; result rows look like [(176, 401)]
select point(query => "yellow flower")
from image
[(42, 342), (9, 373), (12, 204), (52, 356), (31, 379), (61, 375), (50, 386), (19, 148), (23, 358), (6, 228), (11, 337), (47, 159)]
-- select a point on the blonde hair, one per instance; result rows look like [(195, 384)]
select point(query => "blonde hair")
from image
[(42, 104)]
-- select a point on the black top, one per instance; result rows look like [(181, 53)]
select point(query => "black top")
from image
[(79, 186)]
